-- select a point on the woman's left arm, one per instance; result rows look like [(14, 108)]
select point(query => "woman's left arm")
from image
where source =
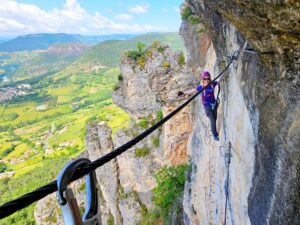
[(216, 83)]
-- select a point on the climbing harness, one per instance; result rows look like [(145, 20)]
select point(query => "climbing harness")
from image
[(214, 105), (67, 202), (27, 199)]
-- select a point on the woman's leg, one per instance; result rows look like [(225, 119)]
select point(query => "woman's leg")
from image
[(215, 113), (212, 117)]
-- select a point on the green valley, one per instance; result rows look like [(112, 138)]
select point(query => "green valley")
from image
[(44, 125)]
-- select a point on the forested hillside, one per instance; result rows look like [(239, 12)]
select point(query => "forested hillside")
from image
[(43, 41)]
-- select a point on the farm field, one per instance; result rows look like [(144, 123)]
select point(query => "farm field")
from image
[(53, 122), (41, 132)]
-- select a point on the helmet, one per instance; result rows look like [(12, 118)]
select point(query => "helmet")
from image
[(205, 74)]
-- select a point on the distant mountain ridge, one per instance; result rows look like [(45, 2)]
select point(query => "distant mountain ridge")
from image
[(78, 57), (100, 38), (44, 41), (35, 42)]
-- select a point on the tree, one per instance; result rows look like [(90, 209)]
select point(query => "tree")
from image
[(140, 47), (3, 167)]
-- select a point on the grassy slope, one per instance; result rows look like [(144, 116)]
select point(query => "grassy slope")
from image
[(25, 65), (108, 53), (94, 99), (91, 90), (90, 96), (42, 64)]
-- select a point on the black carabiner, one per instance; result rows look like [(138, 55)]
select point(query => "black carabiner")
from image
[(67, 201)]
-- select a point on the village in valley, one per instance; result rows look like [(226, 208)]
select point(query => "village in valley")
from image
[(9, 93)]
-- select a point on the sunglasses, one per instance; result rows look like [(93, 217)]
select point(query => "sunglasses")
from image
[(206, 79)]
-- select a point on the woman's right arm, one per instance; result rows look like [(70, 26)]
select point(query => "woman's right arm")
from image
[(187, 92), (191, 91)]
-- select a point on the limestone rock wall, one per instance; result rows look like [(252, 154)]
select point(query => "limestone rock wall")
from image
[(204, 198), (257, 116)]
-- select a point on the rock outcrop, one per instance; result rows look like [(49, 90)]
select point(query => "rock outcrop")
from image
[(151, 84)]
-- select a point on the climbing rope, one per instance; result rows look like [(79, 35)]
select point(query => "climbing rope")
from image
[(27, 199)]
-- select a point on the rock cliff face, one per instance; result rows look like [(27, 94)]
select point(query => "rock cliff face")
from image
[(258, 115)]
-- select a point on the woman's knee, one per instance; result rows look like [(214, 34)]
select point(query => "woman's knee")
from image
[(207, 111)]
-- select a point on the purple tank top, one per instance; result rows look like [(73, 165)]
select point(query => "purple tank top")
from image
[(207, 95)]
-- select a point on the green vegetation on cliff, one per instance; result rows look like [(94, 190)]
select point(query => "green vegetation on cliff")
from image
[(187, 15), (167, 196)]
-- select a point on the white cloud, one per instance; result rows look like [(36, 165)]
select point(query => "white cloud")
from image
[(17, 18), (176, 8), (123, 17), (139, 8)]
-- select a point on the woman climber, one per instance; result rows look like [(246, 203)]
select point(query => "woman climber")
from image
[(208, 100)]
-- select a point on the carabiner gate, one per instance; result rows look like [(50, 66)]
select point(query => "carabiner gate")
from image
[(67, 200)]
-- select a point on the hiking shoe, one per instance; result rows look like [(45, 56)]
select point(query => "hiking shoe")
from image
[(216, 137)]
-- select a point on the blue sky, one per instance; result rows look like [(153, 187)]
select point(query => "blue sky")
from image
[(90, 17)]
